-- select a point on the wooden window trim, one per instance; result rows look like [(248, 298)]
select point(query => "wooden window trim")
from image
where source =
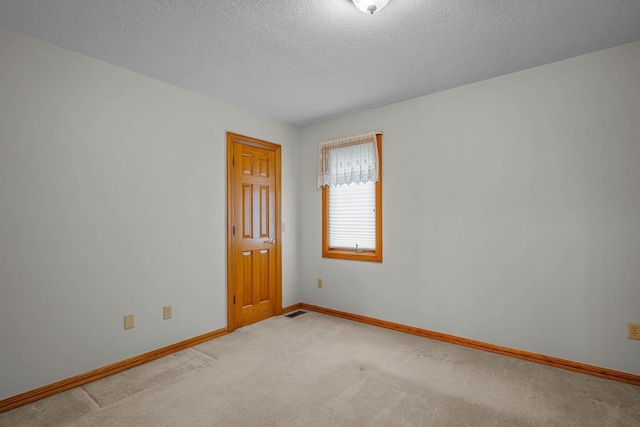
[(373, 256)]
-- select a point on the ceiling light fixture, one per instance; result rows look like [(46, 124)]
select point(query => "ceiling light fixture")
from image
[(370, 6)]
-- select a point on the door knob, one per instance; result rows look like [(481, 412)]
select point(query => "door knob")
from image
[(270, 242)]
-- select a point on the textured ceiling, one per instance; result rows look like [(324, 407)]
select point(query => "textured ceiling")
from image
[(303, 61)]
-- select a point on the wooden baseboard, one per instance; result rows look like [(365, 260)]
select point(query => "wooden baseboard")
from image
[(87, 377), (291, 308), (479, 345), (79, 380)]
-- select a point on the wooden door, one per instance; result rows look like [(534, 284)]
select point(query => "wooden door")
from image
[(253, 249)]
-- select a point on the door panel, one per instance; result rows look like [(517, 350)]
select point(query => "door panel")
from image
[(247, 211), (265, 224), (255, 248)]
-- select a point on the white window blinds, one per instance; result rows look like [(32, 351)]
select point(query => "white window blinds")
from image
[(352, 216)]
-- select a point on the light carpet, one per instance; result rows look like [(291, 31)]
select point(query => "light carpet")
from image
[(318, 370)]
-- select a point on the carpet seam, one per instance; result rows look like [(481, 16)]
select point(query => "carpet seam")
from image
[(155, 385), (213, 359), (93, 399)]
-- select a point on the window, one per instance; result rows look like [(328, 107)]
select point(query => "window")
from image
[(352, 198)]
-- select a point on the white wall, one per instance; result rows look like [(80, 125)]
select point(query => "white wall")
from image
[(511, 212), (112, 201)]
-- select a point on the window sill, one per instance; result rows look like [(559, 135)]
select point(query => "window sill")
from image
[(352, 255)]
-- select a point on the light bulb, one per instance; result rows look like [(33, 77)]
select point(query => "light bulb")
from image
[(370, 6)]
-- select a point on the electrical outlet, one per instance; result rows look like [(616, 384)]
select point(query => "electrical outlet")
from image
[(319, 283), (128, 321), (166, 312), (634, 331)]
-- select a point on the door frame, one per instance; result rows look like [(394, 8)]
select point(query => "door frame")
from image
[(233, 138)]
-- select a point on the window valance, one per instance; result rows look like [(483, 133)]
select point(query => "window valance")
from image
[(348, 160)]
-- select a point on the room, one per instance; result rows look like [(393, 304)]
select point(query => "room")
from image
[(510, 202)]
